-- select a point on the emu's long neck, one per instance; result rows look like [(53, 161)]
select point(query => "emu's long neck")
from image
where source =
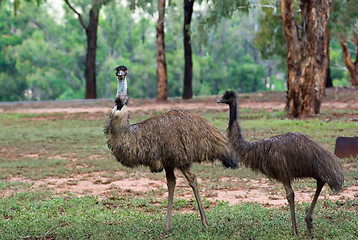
[(234, 128), (122, 94), (122, 89), (120, 114), (246, 151)]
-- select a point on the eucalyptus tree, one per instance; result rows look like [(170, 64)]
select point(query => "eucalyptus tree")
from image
[(161, 64), (304, 27), (90, 25), (307, 60), (303, 38), (344, 27), (161, 61), (188, 68)]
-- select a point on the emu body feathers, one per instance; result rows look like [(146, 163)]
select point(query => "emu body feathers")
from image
[(290, 156), (176, 139), (285, 157)]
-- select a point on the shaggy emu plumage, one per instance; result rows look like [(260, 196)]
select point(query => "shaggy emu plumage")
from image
[(285, 157), (172, 140)]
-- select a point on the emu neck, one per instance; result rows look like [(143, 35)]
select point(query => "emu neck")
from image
[(122, 91), (245, 150), (234, 125)]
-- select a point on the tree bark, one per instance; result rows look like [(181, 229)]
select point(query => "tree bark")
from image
[(307, 60), (90, 67), (188, 68), (91, 34), (352, 67), (161, 62), (328, 81)]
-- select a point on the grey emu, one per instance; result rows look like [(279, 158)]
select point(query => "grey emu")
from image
[(172, 140), (285, 157)]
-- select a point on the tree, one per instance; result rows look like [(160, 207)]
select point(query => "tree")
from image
[(307, 60), (91, 34), (161, 62), (351, 65), (188, 69), (344, 26)]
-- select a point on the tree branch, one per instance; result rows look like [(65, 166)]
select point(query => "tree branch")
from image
[(346, 54), (77, 13)]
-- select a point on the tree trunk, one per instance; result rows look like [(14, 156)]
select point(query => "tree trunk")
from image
[(306, 55), (91, 34), (328, 81), (188, 69), (351, 66), (90, 67), (161, 62)]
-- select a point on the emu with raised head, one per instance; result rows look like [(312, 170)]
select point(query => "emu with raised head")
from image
[(172, 140), (285, 157)]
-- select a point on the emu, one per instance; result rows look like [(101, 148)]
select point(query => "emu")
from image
[(285, 157), (172, 140)]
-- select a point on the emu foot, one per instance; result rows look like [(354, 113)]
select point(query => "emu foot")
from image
[(156, 167), (309, 223)]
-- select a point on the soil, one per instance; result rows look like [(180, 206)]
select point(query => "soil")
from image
[(259, 190)]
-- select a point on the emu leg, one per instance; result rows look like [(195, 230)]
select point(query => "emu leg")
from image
[(193, 184), (308, 217), (290, 195), (171, 185)]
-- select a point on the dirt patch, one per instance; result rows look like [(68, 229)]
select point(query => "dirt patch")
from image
[(334, 99), (261, 191)]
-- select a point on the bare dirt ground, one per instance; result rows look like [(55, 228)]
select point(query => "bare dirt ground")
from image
[(259, 190)]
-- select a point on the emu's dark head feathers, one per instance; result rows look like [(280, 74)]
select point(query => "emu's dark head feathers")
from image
[(121, 72), (228, 97)]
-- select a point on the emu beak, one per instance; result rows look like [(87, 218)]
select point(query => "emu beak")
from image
[(220, 100)]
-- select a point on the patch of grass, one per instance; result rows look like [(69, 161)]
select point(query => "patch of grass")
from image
[(43, 215)]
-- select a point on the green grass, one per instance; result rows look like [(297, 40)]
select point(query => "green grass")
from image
[(36, 215), (38, 146)]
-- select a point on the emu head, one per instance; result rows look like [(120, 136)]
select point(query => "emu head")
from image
[(121, 72), (229, 97)]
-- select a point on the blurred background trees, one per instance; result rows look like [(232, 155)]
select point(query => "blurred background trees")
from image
[(43, 49)]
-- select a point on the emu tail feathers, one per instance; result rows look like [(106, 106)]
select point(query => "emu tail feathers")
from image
[(230, 161)]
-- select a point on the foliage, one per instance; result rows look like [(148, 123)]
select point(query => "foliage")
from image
[(239, 47)]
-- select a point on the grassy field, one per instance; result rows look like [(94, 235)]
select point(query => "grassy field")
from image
[(36, 147)]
